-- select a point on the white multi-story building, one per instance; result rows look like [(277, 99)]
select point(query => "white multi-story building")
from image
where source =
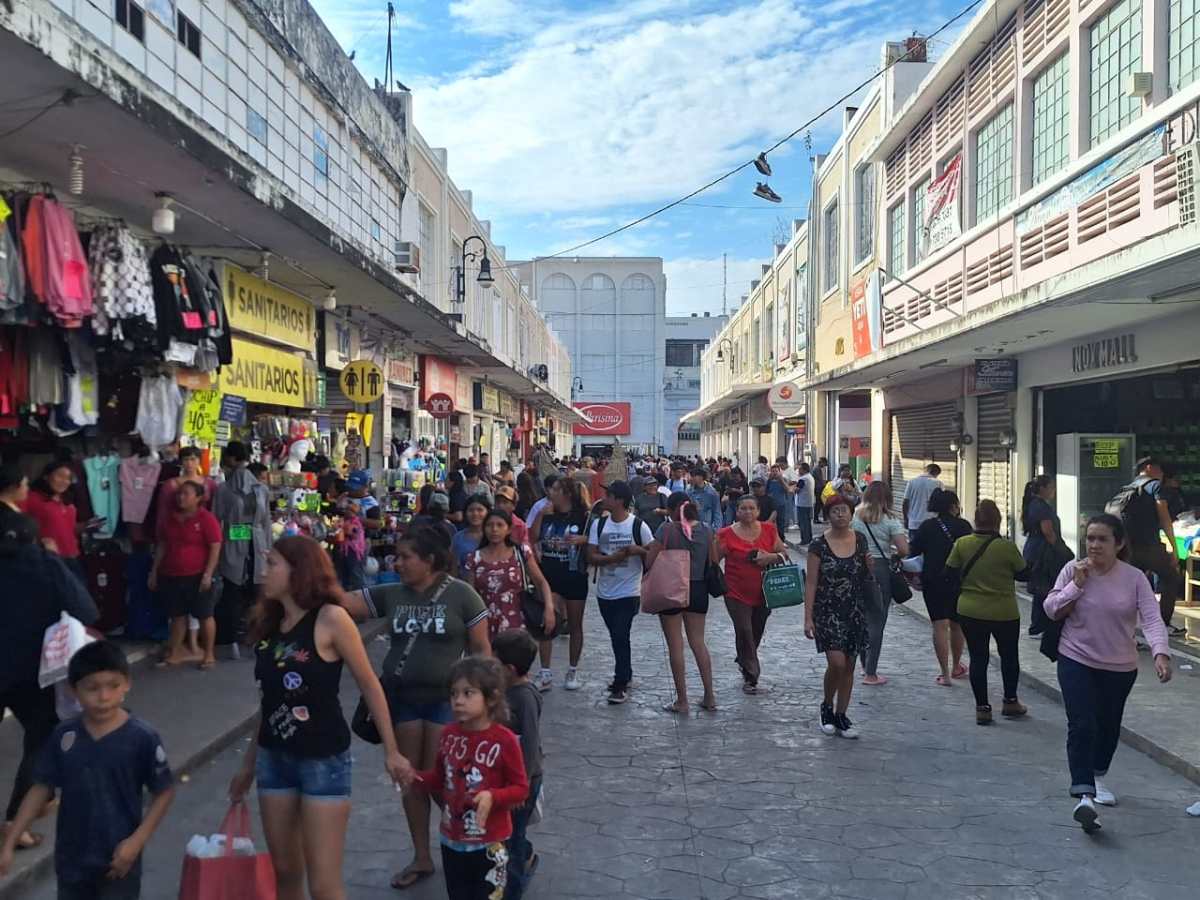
[(610, 312), (687, 336)]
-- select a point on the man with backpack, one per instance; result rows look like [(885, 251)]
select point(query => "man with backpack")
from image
[(1143, 510), (617, 547), (243, 508)]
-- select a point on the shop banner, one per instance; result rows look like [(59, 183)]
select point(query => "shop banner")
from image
[(201, 414), (942, 222), (1145, 149), (603, 418), (400, 370), (263, 374), (992, 376), (464, 395), (440, 377), (266, 310), (486, 399), (866, 299), (343, 342), (233, 409), (508, 407)]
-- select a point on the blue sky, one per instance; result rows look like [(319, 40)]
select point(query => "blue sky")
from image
[(567, 119)]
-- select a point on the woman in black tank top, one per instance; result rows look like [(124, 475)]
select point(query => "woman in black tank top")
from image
[(302, 756)]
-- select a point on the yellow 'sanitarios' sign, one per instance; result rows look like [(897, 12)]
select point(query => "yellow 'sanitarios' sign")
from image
[(263, 374), (260, 308)]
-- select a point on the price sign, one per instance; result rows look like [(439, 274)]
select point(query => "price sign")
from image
[(201, 415), (1106, 454)]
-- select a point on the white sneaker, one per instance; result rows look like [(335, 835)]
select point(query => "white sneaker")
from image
[(572, 681), (1104, 796), (545, 680), (1085, 814), (1194, 810)]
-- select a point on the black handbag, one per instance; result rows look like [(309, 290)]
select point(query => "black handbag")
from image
[(901, 591), (532, 608), (955, 580), (714, 580)]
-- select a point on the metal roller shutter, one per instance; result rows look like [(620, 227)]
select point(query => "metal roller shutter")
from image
[(919, 437), (995, 475)]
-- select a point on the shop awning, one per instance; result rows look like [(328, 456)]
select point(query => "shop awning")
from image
[(738, 393)]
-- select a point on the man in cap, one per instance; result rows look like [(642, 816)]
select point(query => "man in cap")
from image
[(506, 500), (358, 486)]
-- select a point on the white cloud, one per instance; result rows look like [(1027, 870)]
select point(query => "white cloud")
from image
[(632, 105), (695, 284)]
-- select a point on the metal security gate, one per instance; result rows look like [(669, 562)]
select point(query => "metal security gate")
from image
[(995, 472), (919, 437)]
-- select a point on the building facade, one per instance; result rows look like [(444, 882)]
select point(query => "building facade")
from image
[(1035, 234), (764, 344), (610, 313), (687, 338)]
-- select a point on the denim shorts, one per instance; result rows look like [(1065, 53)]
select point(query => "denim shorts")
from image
[(324, 778), (439, 713)]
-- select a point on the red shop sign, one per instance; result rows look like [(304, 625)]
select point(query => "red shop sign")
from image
[(437, 377), (603, 418), (440, 406)]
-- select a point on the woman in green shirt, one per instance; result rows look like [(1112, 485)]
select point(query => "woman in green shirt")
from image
[(988, 566)]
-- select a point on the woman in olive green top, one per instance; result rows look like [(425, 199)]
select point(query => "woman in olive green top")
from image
[(435, 620), (988, 566)]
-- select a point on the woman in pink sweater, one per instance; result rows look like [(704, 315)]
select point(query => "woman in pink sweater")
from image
[(1100, 600)]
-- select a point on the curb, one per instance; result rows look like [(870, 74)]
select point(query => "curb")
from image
[(15, 886), (1158, 752)]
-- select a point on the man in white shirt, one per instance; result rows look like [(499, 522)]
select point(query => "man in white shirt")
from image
[(805, 500), (618, 553), (916, 498)]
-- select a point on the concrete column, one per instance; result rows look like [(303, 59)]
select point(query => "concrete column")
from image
[(968, 459)]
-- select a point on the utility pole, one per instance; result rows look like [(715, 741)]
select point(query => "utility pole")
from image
[(724, 284)]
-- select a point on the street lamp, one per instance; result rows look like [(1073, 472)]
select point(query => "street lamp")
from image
[(576, 385), (721, 353), (484, 278)]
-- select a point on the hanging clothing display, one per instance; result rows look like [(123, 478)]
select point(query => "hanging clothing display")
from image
[(119, 393), (104, 488), (12, 270), (124, 296), (55, 263), (159, 403), (139, 478), (14, 375), (83, 382), (45, 367)]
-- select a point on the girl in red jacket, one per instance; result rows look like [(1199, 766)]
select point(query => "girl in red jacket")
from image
[(479, 776)]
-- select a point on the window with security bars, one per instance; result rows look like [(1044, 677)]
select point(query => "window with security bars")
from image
[(831, 258), (919, 195), (1051, 119), (1116, 52), (896, 241), (1183, 59), (864, 212), (994, 164)]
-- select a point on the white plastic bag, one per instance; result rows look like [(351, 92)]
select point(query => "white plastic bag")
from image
[(213, 846), (66, 705), (61, 641)]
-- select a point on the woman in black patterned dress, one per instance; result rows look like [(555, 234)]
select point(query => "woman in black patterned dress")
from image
[(839, 577)]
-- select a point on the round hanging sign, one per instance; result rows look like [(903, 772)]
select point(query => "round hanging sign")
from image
[(362, 381)]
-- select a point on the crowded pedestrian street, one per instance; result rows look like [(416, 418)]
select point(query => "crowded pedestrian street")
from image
[(752, 801)]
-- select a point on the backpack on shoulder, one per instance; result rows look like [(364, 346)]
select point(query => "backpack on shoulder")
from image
[(1138, 511), (600, 523)]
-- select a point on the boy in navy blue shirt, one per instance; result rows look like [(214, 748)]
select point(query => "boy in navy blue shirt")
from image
[(100, 762)]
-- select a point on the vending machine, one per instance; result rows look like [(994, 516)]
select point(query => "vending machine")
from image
[(1092, 468)]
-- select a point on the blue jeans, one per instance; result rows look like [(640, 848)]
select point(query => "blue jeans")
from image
[(805, 516), (1095, 702), (324, 778), (618, 617), (520, 850)]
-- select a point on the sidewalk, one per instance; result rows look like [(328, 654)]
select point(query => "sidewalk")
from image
[(197, 713), (1160, 720)]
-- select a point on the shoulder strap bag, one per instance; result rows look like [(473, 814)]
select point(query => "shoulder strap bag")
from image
[(957, 581), (532, 608), (901, 592), (362, 723)]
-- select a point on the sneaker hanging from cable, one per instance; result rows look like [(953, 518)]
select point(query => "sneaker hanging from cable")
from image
[(764, 191)]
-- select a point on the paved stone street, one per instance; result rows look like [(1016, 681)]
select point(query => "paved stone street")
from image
[(753, 802)]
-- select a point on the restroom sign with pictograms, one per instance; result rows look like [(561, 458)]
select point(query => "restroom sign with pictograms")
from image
[(362, 381)]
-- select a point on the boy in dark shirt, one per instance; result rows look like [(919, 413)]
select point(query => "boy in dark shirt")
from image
[(516, 649), (100, 762)]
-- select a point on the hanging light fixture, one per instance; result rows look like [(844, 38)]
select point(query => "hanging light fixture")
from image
[(764, 191), (760, 163), (330, 303), (485, 272), (264, 267), (75, 184), (163, 221)]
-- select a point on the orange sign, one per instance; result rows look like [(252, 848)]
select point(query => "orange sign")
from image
[(860, 320)]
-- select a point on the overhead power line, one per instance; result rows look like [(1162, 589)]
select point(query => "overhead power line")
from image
[(750, 162)]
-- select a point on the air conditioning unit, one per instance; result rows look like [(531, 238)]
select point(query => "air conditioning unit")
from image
[(407, 257), (1140, 84), (1187, 181)]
